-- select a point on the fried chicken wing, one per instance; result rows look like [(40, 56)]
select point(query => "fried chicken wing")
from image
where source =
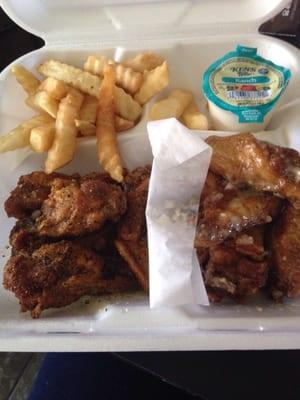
[(238, 274), (32, 190), (244, 160), (285, 255), (25, 237), (134, 178), (80, 207), (58, 274), (213, 184), (135, 253), (250, 243), (229, 211), (131, 241)]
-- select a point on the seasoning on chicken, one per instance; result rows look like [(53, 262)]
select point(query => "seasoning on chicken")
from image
[(58, 274), (131, 241), (228, 211), (30, 193), (244, 160), (80, 207), (25, 237), (134, 178)]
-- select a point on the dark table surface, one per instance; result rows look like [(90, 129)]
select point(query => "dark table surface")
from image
[(213, 375)]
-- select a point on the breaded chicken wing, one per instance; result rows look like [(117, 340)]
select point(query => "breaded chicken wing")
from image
[(80, 207), (30, 193), (58, 274), (237, 271), (229, 211)]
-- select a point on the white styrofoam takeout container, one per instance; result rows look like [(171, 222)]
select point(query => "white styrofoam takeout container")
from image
[(190, 35)]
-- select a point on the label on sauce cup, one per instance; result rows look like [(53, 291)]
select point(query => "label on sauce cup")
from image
[(245, 84)]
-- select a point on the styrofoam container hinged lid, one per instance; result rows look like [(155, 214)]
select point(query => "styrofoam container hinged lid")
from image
[(103, 20)]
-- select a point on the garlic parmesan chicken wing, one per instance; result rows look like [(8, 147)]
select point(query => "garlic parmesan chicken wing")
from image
[(227, 211), (285, 255), (131, 241), (244, 160), (78, 207), (237, 267), (213, 184), (57, 274)]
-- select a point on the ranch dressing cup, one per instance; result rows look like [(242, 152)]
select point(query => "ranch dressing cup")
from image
[(242, 89)]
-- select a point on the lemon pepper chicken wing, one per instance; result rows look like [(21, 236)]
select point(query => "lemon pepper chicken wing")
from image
[(80, 207), (57, 274), (30, 193), (25, 237), (244, 160)]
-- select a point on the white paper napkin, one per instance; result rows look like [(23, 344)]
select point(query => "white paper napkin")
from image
[(180, 165)]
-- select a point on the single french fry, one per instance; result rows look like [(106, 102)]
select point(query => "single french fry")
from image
[(88, 111), (126, 106), (96, 64), (126, 77), (122, 124), (41, 137), (193, 119), (64, 143), (143, 62), (20, 136), (173, 106), (79, 79), (154, 81), (26, 79), (55, 88), (29, 101), (44, 102), (108, 151), (86, 128), (90, 84)]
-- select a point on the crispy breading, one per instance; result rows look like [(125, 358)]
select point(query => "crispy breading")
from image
[(58, 274), (30, 193), (80, 207), (134, 178)]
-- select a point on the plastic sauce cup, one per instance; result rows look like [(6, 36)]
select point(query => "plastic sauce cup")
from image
[(242, 89)]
